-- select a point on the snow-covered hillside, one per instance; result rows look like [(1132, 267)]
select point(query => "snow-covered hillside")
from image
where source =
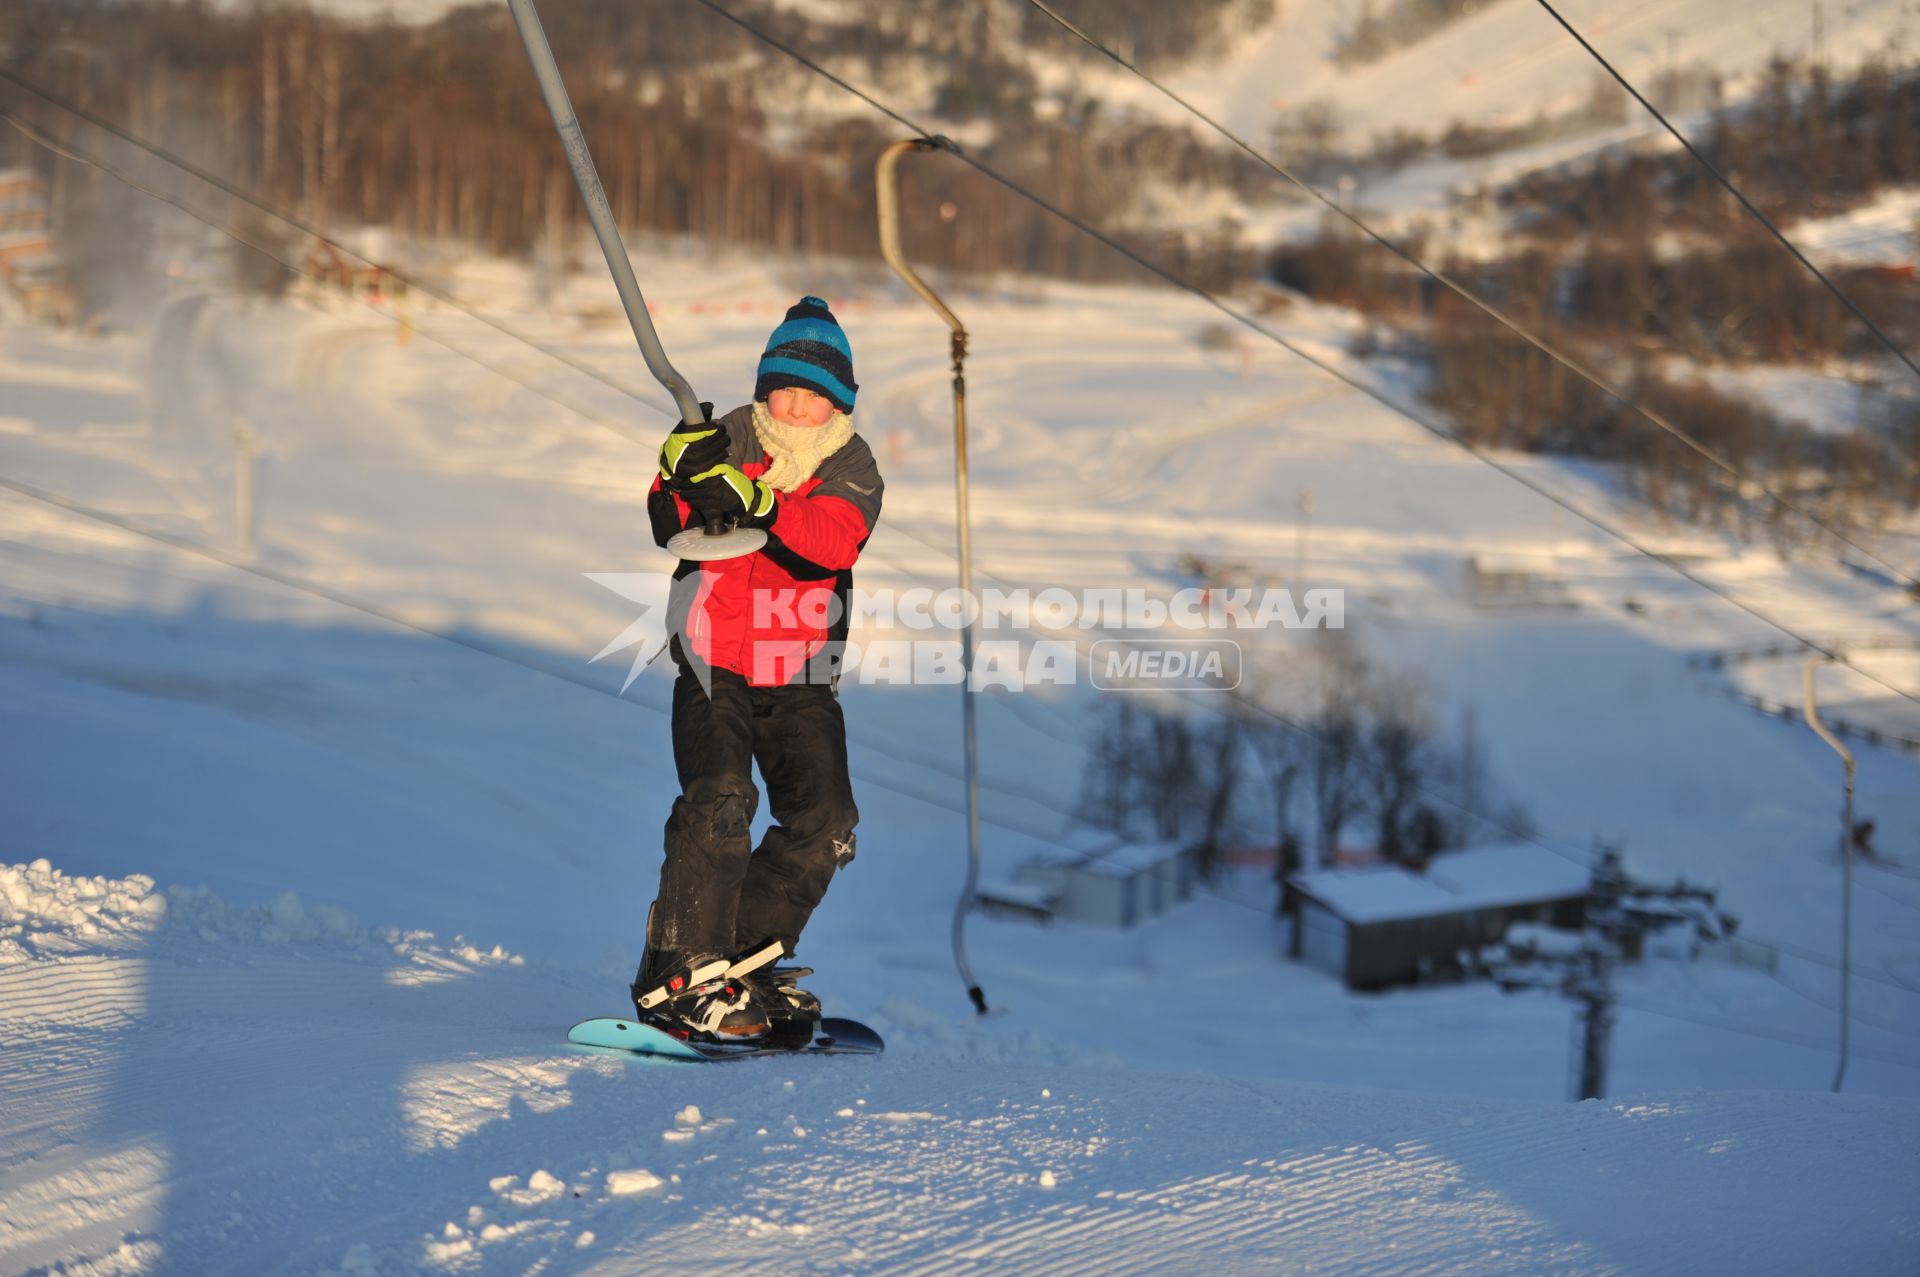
[(1501, 65), (1509, 61), (395, 867)]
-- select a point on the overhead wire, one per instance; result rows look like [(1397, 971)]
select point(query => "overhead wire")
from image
[(1756, 1031), (1365, 388), (396, 619), (587, 414), (1894, 896), (453, 636), (1372, 392), (70, 151), (1152, 267), (1853, 1013), (1023, 793), (412, 282), (1246, 702), (1447, 281), (591, 416), (1279, 719), (1821, 959), (1732, 190), (59, 147), (399, 620), (1256, 706), (1031, 796)]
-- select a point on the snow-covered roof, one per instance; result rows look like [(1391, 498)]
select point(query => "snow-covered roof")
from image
[(1478, 878), (1109, 854), (1536, 563), (25, 235), (1032, 895), (1131, 858)]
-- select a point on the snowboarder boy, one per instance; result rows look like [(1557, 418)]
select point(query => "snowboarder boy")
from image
[(766, 632)]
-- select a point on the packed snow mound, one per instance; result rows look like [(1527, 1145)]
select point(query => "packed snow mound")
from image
[(45, 912), (282, 920)]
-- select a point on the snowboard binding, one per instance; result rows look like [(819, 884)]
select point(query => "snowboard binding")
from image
[(700, 998), (793, 1014)]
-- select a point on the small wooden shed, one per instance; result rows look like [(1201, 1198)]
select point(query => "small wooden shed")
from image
[(1516, 581), (1098, 879), (1384, 924)]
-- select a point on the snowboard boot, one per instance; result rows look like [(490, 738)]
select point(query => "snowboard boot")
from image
[(792, 1012), (701, 1000)]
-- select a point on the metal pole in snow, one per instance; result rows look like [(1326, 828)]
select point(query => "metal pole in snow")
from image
[(886, 185), (1596, 985), (718, 539), (554, 90), (1846, 864)]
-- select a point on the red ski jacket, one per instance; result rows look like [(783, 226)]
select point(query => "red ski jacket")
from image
[(779, 615)]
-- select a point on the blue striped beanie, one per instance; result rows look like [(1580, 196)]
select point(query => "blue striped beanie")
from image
[(808, 349)]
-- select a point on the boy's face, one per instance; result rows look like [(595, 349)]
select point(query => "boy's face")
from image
[(798, 406)]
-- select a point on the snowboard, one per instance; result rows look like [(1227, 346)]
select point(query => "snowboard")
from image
[(832, 1036)]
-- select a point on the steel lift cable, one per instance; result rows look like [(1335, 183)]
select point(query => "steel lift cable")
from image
[(1790, 951), (1732, 190), (1363, 387), (300, 224), (1487, 308)]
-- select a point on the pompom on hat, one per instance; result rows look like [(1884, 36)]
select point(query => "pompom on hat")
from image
[(809, 349)]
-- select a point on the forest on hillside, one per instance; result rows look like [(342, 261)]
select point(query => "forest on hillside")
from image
[(1642, 267), (438, 130), (1635, 262)]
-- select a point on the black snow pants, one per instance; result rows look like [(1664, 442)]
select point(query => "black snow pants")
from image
[(719, 893)]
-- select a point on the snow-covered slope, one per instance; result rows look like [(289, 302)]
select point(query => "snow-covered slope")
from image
[(193, 1089), (396, 867)]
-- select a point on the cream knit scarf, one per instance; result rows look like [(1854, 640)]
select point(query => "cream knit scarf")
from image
[(797, 451)]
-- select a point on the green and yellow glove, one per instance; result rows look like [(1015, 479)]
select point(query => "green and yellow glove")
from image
[(723, 492), (692, 448)]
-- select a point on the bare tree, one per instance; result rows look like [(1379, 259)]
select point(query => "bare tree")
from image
[(1217, 787), (1161, 775), (1337, 754), (1397, 761), (1282, 751), (1107, 793), (1306, 137), (1470, 769), (1172, 774)]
